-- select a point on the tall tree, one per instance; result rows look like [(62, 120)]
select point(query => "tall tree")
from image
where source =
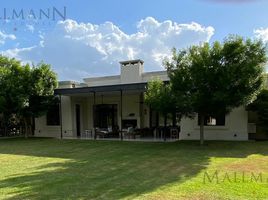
[(214, 79), (25, 91), (39, 86), (11, 88)]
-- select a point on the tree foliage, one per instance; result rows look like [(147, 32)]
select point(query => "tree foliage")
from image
[(214, 79), (159, 96), (260, 106), (25, 91)]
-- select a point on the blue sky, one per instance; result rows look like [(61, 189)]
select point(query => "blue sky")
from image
[(191, 22)]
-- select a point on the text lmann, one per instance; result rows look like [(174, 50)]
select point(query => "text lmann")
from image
[(35, 14)]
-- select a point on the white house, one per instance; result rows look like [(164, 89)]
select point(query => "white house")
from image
[(117, 101)]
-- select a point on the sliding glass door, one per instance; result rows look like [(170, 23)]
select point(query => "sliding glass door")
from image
[(105, 115)]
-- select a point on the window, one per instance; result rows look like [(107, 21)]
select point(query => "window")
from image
[(105, 115), (218, 120), (53, 115)]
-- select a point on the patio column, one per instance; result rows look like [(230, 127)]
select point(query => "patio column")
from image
[(121, 114), (60, 110), (94, 104)]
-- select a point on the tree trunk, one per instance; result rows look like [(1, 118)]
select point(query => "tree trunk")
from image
[(202, 122)]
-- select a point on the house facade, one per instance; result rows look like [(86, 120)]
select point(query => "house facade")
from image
[(118, 101)]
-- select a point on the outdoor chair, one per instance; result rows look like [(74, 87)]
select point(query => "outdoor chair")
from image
[(129, 132), (101, 132)]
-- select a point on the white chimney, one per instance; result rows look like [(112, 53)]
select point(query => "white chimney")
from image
[(131, 71)]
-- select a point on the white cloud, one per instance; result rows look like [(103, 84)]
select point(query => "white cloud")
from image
[(77, 50), (4, 37), (262, 33)]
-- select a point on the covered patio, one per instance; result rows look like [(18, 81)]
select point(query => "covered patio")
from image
[(111, 112)]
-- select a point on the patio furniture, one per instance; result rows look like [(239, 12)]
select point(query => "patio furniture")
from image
[(129, 133), (110, 132), (101, 132)]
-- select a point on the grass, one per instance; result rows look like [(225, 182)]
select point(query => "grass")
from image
[(75, 169)]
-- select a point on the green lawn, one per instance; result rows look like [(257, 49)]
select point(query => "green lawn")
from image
[(75, 169)]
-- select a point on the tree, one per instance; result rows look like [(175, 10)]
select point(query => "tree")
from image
[(40, 89), (260, 106), (25, 91), (11, 89), (159, 97), (213, 79)]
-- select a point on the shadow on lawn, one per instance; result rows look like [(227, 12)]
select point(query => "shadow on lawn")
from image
[(111, 170)]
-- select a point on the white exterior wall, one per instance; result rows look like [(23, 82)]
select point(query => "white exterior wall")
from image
[(67, 117), (42, 130), (235, 123)]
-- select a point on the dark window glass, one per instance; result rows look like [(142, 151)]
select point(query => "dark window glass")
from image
[(218, 120), (53, 115), (105, 115)]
